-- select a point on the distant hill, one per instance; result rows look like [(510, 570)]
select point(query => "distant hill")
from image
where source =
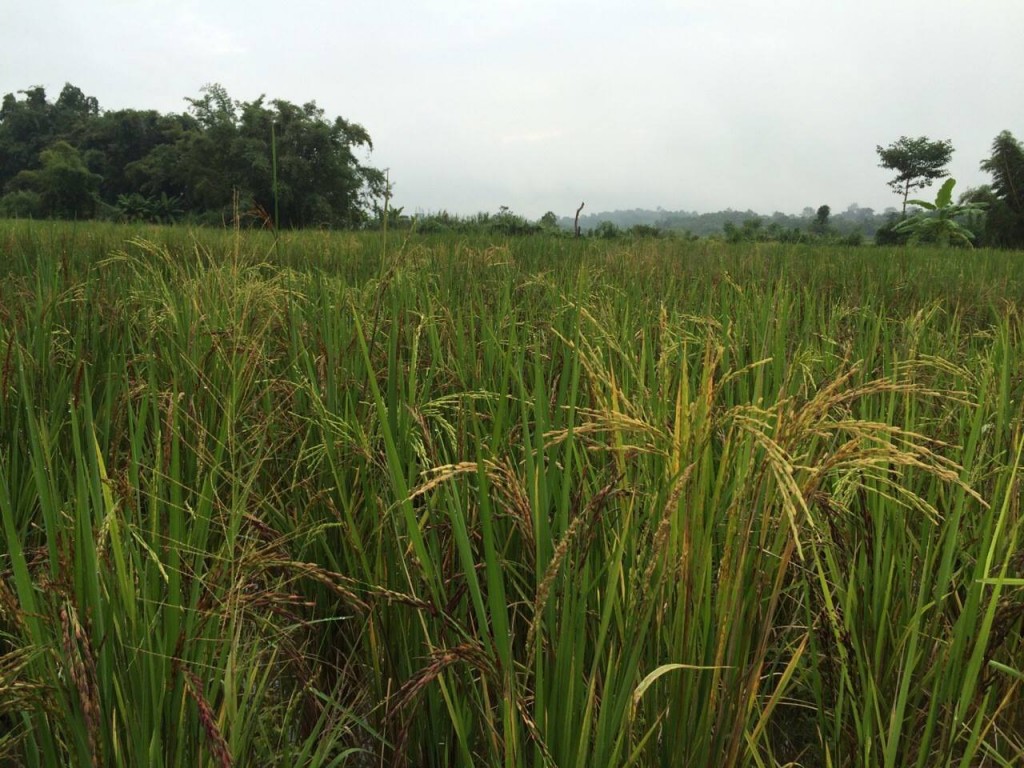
[(853, 219)]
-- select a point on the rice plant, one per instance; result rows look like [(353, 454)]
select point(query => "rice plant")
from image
[(297, 499)]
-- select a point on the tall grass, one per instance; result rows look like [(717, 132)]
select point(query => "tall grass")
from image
[(304, 501)]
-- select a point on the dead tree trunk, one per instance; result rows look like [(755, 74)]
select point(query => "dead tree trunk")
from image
[(576, 226)]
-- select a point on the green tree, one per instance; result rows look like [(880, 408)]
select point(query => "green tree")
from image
[(937, 223), (72, 111), (116, 145), (320, 178), (134, 207), (26, 129), (1004, 226), (820, 224), (165, 170), (917, 162), (320, 181), (607, 230), (146, 165), (507, 223), (30, 125), (66, 187), (644, 231), (23, 204)]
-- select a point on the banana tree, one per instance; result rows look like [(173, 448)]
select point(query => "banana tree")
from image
[(937, 223)]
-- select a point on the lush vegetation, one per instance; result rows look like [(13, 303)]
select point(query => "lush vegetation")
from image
[(777, 227), (457, 501), (286, 165), (1004, 221), (940, 222), (917, 162)]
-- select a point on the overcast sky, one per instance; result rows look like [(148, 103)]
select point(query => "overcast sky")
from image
[(541, 104)]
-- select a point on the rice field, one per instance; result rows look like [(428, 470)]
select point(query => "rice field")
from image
[(341, 501)]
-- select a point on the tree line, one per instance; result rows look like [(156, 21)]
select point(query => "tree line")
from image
[(991, 215), (290, 166), (280, 162), (811, 223)]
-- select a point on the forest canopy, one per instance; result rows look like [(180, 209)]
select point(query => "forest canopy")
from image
[(70, 159)]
